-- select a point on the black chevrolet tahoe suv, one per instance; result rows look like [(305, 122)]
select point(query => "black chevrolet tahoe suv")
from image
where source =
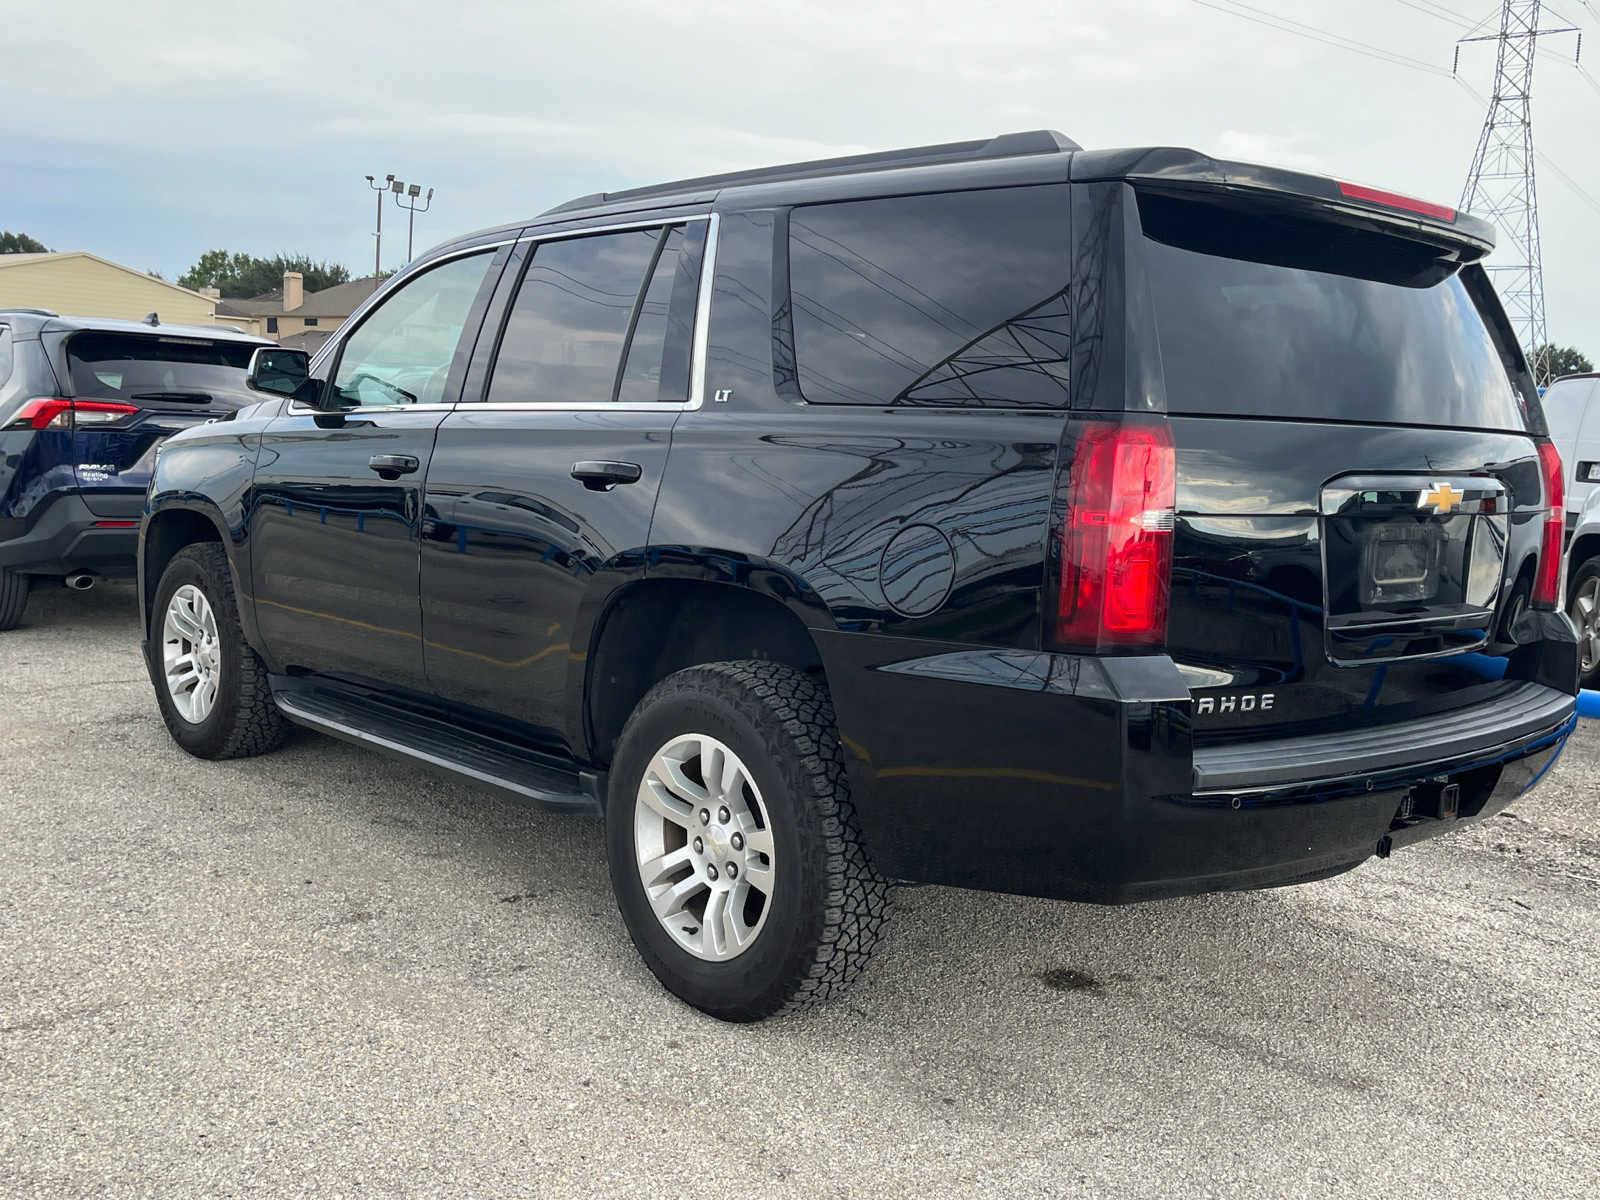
[(84, 402), (1101, 525)]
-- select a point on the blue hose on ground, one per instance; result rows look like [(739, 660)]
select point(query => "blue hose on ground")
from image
[(1589, 703)]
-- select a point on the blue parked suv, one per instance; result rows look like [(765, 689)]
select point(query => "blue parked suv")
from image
[(84, 402)]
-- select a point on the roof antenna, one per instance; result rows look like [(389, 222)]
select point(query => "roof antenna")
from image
[(150, 318)]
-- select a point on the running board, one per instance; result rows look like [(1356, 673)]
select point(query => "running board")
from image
[(406, 735)]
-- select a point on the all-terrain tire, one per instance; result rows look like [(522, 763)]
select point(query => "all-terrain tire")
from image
[(829, 904), (244, 721), (13, 598)]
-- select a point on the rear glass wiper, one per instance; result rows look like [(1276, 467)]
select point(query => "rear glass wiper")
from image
[(185, 397)]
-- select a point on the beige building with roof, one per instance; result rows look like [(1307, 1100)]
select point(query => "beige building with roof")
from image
[(295, 317), (86, 285)]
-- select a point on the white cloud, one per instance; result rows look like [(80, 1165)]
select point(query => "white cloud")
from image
[(151, 130)]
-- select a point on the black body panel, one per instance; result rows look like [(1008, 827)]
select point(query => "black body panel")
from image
[(1248, 603), (518, 556), (334, 545)]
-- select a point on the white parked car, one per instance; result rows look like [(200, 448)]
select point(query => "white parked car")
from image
[(1583, 585), (1572, 410)]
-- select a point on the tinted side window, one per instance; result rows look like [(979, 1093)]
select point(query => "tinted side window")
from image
[(956, 298), (641, 381), (402, 350), (564, 336)]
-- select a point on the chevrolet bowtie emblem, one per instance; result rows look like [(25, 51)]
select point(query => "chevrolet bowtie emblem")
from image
[(1441, 498)]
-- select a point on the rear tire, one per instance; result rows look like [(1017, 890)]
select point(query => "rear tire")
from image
[(240, 718), (1583, 606), (765, 733), (13, 598)]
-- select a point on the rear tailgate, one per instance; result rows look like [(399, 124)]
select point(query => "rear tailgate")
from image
[(1360, 505), (165, 382)]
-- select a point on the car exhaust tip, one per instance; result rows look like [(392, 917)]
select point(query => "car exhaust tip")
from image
[(80, 581)]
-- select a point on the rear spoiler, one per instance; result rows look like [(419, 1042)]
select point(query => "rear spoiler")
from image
[(1180, 172)]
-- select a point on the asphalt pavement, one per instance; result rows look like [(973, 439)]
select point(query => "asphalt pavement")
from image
[(322, 973)]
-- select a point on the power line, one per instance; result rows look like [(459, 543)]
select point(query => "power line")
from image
[(1589, 197), (1400, 60), (1312, 33), (1438, 12)]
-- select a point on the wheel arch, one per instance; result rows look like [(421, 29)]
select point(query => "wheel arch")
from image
[(650, 628), (167, 530), (1584, 547)]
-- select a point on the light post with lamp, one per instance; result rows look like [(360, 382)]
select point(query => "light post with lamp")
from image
[(377, 252), (408, 201)]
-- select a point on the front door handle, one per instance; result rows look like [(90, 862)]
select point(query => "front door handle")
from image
[(603, 476), (392, 466)]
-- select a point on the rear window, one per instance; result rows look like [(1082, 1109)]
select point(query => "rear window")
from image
[(591, 320), (955, 298), (134, 367), (1265, 316)]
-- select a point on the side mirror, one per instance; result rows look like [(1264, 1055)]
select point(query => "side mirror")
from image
[(280, 371)]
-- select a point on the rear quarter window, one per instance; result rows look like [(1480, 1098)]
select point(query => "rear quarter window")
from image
[(7, 357), (955, 298)]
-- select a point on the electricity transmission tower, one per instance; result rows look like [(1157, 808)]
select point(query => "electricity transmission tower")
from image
[(1500, 185)]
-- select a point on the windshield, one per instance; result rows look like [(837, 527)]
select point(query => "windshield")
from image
[(134, 367), (1265, 316)]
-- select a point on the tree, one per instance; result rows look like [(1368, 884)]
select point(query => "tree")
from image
[(1552, 362), (240, 276), (20, 243)]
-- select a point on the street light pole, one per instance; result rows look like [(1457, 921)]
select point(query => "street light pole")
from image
[(377, 251), (414, 207)]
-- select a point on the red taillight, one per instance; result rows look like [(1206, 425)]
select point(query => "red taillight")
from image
[(1116, 538), (1355, 191), (43, 414), (57, 413), (1547, 579)]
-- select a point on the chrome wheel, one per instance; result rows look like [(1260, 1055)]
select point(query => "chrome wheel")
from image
[(704, 847), (1585, 614), (191, 655)]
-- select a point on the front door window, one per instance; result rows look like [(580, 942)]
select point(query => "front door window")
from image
[(402, 351)]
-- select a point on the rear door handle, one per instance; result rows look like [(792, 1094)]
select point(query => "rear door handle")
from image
[(392, 466), (603, 476)]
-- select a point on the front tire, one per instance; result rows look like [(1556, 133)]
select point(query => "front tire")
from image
[(1583, 606), (212, 687), (735, 856)]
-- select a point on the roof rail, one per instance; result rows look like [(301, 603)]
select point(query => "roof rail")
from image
[(35, 312), (1007, 145)]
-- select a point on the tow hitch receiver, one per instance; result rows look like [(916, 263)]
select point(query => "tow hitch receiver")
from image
[(1441, 801)]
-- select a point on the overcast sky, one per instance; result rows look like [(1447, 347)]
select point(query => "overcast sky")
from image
[(149, 131)]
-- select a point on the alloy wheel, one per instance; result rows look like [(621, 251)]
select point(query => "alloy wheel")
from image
[(704, 847), (191, 655), (1585, 614)]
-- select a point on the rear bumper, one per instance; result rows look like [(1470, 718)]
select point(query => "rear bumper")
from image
[(64, 538), (1076, 778), (1441, 744)]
